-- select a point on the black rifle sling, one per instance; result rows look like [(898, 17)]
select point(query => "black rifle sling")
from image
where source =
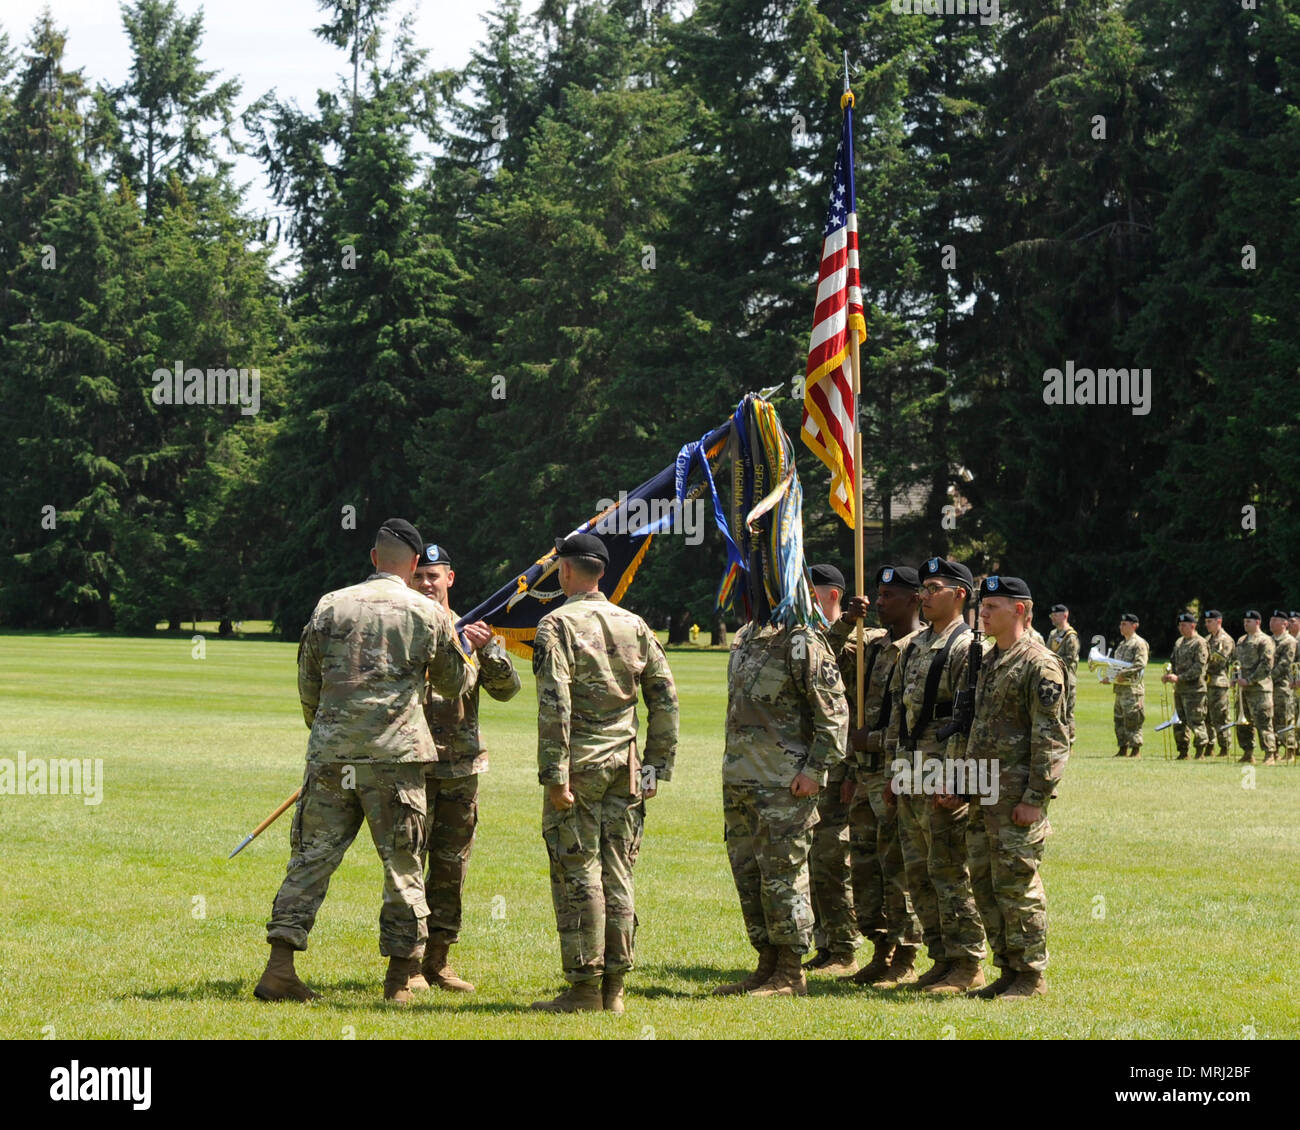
[(928, 704)]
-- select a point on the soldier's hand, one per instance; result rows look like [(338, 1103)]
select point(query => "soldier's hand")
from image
[(855, 609), (560, 797), (858, 738), (478, 634), (803, 785), (1105, 678), (646, 794), (948, 801), (1026, 814), (848, 787), (890, 796), (1167, 677)]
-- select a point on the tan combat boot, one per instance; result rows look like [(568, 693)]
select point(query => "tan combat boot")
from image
[(1006, 975), (766, 967), (1123, 751), (1247, 758), (280, 981), (963, 975), (1136, 751), (584, 996), (937, 972), (1182, 755), (842, 965), (787, 978), (437, 971), (901, 971), (611, 992), (397, 987), (875, 969), (1028, 983)]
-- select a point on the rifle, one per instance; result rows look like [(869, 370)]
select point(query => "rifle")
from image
[(963, 705)]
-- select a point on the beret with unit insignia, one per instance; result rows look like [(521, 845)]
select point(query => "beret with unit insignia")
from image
[(1129, 618), (1186, 618), (1013, 587), (899, 576), (947, 570)]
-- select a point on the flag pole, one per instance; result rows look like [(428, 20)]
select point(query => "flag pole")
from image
[(859, 563)]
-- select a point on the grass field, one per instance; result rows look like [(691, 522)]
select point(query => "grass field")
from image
[(1172, 888)]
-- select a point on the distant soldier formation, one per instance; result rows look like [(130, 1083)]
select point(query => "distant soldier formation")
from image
[(915, 820)]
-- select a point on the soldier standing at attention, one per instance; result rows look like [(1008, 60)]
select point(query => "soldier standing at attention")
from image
[(1293, 627), (1019, 723), (1284, 652), (931, 671), (1130, 691), (1255, 685), (1063, 642), (363, 662), (834, 894), (451, 782), (1221, 649), (1189, 661), (590, 656), (787, 727), (879, 883)]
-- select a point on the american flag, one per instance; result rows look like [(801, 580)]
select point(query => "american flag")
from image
[(829, 410)]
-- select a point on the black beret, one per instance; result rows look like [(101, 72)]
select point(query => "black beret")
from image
[(401, 529), (949, 571), (434, 555), (1186, 618), (582, 545), (1294, 616), (1252, 614), (1130, 618), (900, 576), (827, 575), (1059, 608), (1214, 614), (1280, 612), (1013, 587)]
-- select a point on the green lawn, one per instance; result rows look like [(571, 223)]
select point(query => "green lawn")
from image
[(1171, 887)]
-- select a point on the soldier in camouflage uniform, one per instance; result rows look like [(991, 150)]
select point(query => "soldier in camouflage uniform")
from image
[(880, 895), (451, 782), (787, 727), (1284, 653), (1063, 642), (363, 662), (1130, 690), (830, 870), (1019, 724), (1293, 628), (1221, 650), (590, 656), (1255, 685), (931, 671), (1188, 664)]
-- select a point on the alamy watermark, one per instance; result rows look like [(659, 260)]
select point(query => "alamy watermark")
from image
[(653, 516), (179, 385), (931, 776), (55, 776), (989, 11), (1098, 386)]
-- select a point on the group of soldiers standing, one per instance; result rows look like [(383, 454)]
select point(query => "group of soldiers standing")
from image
[(829, 836), (903, 851), (1260, 667)]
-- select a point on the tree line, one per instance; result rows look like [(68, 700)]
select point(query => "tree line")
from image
[(491, 297)]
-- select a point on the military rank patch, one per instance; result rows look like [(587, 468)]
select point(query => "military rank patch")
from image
[(1049, 692)]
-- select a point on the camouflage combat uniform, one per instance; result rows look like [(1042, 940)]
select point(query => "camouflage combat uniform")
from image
[(1189, 660), (451, 784), (880, 898), (1284, 653), (1064, 644), (1217, 697), (786, 714), (1130, 691), (1019, 723), (590, 656), (362, 665), (1255, 665), (934, 839)]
